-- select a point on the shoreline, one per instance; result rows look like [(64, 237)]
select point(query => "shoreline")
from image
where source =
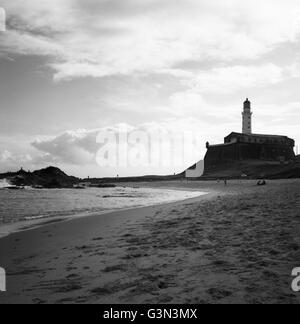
[(27, 225), (237, 244)]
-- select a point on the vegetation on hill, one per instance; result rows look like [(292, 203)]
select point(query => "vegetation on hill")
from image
[(50, 177), (256, 169)]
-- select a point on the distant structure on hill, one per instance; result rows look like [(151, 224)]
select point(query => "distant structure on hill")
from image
[(241, 151), (248, 146), (195, 171)]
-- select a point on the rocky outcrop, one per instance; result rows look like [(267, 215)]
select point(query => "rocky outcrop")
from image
[(50, 177)]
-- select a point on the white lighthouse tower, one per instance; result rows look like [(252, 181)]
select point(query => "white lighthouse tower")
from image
[(247, 117)]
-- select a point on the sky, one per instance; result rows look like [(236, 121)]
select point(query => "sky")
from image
[(73, 69)]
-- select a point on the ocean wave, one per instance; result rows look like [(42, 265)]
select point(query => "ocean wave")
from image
[(4, 184), (31, 205)]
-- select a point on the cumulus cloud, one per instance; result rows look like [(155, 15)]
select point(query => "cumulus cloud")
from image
[(72, 147), (80, 147), (13, 160)]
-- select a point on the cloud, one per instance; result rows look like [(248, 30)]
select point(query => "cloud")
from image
[(5, 156), (28, 44), (187, 103), (190, 104), (12, 160), (80, 147), (108, 37), (287, 116), (72, 147), (183, 64), (232, 78)]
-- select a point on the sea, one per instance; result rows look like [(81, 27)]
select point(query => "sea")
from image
[(25, 206)]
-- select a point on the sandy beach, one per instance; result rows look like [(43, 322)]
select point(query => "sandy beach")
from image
[(237, 244)]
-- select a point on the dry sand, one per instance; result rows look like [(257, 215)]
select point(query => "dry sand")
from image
[(237, 244)]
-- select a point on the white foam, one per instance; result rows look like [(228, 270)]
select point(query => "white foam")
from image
[(4, 183), (22, 209)]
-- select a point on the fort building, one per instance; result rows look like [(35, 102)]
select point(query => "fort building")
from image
[(248, 146)]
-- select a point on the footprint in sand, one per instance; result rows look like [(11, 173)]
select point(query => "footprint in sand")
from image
[(97, 238)]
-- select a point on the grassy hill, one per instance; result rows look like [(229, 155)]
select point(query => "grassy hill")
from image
[(256, 169)]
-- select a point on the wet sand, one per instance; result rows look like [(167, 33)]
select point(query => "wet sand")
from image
[(238, 244)]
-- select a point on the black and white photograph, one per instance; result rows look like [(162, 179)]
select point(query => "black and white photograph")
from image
[(149, 154)]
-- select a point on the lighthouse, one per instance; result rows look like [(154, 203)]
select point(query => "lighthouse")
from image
[(247, 117)]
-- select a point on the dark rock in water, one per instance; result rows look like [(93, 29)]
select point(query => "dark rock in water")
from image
[(15, 188), (105, 185)]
